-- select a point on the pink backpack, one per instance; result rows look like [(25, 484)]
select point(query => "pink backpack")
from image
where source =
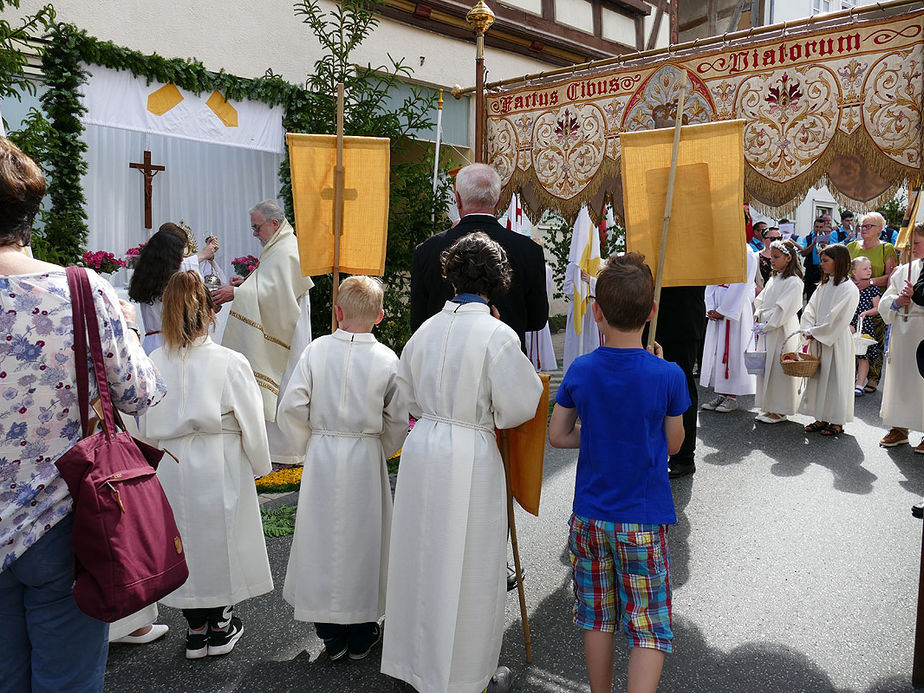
[(127, 548)]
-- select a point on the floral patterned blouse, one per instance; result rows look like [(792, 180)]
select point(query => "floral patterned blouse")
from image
[(39, 416)]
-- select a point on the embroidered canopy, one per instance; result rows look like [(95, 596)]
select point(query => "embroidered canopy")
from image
[(839, 104)]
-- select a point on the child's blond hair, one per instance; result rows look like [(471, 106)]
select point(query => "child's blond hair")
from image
[(857, 261), (360, 298)]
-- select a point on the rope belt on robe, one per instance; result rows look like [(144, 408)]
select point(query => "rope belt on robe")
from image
[(456, 422), (534, 348), (148, 334), (343, 434), (727, 339)]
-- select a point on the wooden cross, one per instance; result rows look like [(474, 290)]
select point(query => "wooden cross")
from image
[(148, 170)]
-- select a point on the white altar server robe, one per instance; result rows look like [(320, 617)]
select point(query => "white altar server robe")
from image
[(589, 339), (343, 409), (903, 387), (212, 421), (778, 306), (463, 373), (829, 393), (723, 349), (539, 346)]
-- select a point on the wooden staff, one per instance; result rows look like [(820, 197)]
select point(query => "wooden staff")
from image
[(338, 208), (512, 526), (678, 123)]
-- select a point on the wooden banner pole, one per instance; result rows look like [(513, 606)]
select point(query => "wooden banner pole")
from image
[(512, 526), (338, 209), (668, 203)]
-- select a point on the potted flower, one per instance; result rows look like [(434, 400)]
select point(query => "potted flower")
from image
[(243, 266), (101, 261), (131, 255)]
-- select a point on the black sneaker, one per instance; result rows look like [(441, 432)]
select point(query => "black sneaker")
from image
[(361, 649), (336, 648), (221, 642), (197, 644)]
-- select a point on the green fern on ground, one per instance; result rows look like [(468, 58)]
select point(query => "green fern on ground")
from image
[(278, 522)]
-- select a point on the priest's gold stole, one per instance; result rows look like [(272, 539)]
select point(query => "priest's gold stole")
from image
[(312, 159), (706, 238)]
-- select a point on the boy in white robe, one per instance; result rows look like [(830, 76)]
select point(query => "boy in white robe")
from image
[(462, 373), (728, 331), (342, 409)]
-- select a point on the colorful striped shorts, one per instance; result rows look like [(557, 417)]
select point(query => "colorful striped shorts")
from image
[(621, 575)]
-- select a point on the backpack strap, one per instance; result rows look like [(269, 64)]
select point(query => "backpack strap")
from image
[(86, 328)]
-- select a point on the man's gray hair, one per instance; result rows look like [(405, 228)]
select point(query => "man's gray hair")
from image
[(269, 210), (478, 186)]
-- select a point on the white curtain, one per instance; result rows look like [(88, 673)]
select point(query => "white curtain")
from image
[(208, 186)]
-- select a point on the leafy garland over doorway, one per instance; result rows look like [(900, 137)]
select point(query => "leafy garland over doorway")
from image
[(69, 48)]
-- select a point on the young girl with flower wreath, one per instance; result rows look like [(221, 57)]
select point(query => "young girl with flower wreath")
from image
[(775, 317), (829, 393)]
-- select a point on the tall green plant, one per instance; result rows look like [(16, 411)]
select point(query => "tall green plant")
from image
[(13, 47), (368, 111)]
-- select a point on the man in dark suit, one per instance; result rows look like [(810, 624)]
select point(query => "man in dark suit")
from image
[(681, 330), (525, 307)]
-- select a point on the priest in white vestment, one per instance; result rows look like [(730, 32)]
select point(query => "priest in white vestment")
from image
[(729, 308), (462, 374), (269, 320), (903, 388)]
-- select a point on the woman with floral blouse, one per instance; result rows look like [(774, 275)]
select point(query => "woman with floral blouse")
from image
[(47, 643)]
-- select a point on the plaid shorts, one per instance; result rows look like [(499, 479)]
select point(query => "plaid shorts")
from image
[(621, 576)]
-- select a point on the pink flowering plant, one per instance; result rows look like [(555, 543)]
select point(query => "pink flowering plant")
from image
[(101, 261), (243, 266), (131, 255)]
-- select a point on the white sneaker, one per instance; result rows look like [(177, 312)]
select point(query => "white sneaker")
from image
[(728, 404), (713, 404)]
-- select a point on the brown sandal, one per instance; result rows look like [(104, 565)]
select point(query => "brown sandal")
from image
[(816, 427), (832, 430)]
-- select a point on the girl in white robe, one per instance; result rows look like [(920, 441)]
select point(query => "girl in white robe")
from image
[(903, 388), (589, 337), (212, 421), (463, 374), (829, 393), (342, 408), (776, 311), (728, 331)]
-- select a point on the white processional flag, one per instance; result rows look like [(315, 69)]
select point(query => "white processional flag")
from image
[(584, 256)]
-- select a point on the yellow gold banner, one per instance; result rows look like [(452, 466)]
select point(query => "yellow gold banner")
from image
[(365, 202), (840, 105), (706, 237)]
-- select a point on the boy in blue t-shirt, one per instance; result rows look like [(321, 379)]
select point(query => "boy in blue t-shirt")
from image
[(630, 403)]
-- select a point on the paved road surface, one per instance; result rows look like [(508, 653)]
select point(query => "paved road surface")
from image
[(795, 568)]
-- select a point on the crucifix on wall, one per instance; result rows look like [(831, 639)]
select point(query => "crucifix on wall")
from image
[(148, 170)]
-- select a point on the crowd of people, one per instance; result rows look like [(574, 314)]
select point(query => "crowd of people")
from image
[(829, 299), (431, 561)]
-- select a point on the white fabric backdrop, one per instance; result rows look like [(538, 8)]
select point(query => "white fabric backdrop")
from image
[(209, 186), (116, 98)]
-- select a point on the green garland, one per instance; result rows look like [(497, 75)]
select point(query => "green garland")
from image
[(65, 233)]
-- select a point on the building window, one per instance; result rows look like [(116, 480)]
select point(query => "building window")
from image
[(819, 6), (455, 114), (847, 4)]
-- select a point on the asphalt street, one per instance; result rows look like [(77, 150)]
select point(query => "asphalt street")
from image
[(795, 568)]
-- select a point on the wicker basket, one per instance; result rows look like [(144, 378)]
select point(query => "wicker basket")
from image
[(861, 343), (807, 364)]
